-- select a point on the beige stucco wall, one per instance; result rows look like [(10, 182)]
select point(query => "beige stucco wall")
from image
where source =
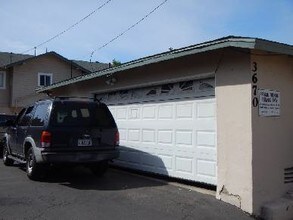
[(273, 136), (174, 70), (233, 92), (25, 78)]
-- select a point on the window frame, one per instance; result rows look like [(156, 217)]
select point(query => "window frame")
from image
[(4, 80), (45, 74)]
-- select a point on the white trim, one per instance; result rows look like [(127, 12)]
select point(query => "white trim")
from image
[(45, 74), (4, 80)]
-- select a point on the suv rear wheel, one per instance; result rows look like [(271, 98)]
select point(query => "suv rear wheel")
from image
[(7, 161), (33, 170)]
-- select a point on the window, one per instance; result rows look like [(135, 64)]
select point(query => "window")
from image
[(167, 89), (124, 94), (40, 115), (81, 115), (152, 92), (45, 79), (2, 80), (205, 86), (26, 117), (186, 85)]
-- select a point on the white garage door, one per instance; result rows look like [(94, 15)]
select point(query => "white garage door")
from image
[(168, 129)]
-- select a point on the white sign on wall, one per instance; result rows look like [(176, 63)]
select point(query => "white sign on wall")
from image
[(269, 102)]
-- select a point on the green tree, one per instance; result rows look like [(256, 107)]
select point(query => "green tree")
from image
[(116, 62)]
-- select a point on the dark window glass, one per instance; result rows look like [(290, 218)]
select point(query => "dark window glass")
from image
[(165, 89), (186, 86), (45, 80), (112, 95), (42, 80), (25, 119), (204, 86), (40, 115), (152, 92), (2, 82), (81, 114), (124, 94)]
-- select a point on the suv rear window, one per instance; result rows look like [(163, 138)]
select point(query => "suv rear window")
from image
[(75, 114)]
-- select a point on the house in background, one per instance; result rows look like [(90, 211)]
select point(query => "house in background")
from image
[(219, 112), (21, 74)]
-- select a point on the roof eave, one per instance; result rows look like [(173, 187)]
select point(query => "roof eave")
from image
[(274, 47), (45, 54), (248, 43)]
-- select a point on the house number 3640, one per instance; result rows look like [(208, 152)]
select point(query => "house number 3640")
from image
[(254, 80)]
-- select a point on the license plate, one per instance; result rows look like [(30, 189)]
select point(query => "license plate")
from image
[(84, 142)]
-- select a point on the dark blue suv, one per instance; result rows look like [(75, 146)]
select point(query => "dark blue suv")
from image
[(62, 130)]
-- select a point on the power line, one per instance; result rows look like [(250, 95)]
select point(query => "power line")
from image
[(128, 29), (70, 27)]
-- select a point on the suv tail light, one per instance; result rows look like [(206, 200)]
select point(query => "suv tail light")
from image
[(117, 139), (46, 139)]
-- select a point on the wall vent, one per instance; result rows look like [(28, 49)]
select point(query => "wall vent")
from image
[(288, 175)]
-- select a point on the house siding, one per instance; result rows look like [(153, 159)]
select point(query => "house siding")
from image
[(5, 95), (25, 78)]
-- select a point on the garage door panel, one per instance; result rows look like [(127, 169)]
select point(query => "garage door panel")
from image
[(149, 136), (123, 134), (206, 171), (134, 135), (171, 137), (207, 124), (121, 113), (206, 153), (184, 165), (167, 160), (165, 111), (134, 113), (149, 112), (184, 110), (165, 136), (206, 110), (206, 138)]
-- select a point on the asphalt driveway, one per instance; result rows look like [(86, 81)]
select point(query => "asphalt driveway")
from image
[(77, 194)]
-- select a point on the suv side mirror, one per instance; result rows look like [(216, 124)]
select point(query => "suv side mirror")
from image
[(9, 123)]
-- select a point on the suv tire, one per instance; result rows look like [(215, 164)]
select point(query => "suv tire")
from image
[(33, 170), (7, 161), (99, 169)]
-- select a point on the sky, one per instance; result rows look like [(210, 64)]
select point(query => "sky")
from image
[(176, 24)]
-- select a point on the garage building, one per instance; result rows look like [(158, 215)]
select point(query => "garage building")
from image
[(218, 112)]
